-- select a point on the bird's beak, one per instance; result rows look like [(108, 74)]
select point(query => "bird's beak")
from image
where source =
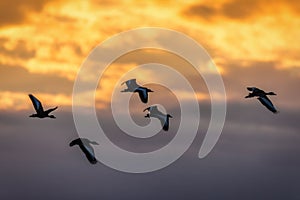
[(146, 109)]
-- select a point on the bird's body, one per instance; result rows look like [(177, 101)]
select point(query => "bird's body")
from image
[(86, 148), (262, 97), (132, 86), (40, 113), (163, 118)]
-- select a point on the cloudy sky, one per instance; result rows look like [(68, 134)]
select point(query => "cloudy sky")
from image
[(252, 43)]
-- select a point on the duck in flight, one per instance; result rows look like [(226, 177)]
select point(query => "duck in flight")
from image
[(163, 118), (262, 97), (40, 113), (132, 86), (86, 148)]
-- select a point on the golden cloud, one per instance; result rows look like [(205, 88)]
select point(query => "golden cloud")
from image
[(52, 38)]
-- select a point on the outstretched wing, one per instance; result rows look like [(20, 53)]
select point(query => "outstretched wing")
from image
[(50, 110), (164, 120), (143, 94), (131, 83), (36, 104), (152, 109), (89, 153), (85, 148), (267, 103), (166, 125)]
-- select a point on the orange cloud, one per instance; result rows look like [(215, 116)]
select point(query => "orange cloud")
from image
[(52, 38)]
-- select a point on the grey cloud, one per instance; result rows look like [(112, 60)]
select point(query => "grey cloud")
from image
[(265, 75), (247, 163)]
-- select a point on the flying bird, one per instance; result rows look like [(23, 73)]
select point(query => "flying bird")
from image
[(86, 147), (163, 118), (132, 86), (40, 113), (262, 97)]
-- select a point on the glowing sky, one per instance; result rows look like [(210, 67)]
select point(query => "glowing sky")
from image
[(43, 43), (252, 42)]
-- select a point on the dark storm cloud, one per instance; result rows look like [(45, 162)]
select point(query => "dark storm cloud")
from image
[(16, 11), (32, 82)]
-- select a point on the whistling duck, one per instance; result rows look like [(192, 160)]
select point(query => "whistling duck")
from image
[(40, 113), (86, 147), (163, 118), (134, 87), (262, 97)]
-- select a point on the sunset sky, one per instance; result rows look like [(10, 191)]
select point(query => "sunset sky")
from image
[(252, 43)]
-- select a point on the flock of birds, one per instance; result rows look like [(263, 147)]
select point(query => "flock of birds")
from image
[(86, 145)]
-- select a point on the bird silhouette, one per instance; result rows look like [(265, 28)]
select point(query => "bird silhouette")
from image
[(262, 97), (132, 86), (86, 147), (163, 118), (40, 113)]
